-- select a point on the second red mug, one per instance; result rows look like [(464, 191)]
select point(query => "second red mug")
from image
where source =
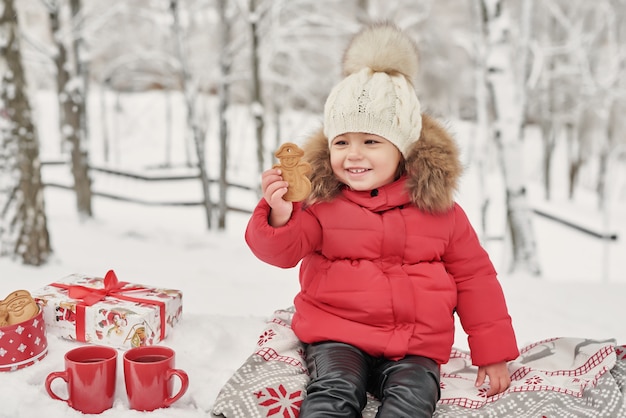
[(149, 377)]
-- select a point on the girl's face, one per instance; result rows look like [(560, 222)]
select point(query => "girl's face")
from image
[(364, 161)]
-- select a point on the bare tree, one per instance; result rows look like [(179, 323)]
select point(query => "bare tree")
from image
[(580, 54), (71, 96), (224, 98), (23, 223), (197, 130), (255, 13), (579, 140), (478, 151), (506, 91), (616, 134), (550, 121), (605, 66)]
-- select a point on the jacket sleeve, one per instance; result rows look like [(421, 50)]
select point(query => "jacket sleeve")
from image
[(285, 246), (481, 305)]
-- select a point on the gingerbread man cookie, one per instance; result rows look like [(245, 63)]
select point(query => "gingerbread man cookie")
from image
[(294, 171), (19, 307)]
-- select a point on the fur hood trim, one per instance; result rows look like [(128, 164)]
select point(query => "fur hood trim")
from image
[(432, 165)]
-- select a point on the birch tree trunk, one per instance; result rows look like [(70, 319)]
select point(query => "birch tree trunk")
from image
[(23, 223), (610, 61), (81, 69), (616, 132), (479, 146), (198, 132), (578, 150), (550, 122), (258, 109), (71, 106), (505, 92), (224, 94)]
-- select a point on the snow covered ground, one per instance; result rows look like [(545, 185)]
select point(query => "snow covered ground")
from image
[(228, 293)]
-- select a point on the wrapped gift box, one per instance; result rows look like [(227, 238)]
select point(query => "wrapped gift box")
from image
[(109, 312), (23, 344)]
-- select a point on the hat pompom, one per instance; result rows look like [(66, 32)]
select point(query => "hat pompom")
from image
[(384, 48)]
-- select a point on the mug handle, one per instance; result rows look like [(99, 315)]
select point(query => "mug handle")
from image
[(50, 378), (184, 380)]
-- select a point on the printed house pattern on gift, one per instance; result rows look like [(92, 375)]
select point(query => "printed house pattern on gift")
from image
[(109, 312)]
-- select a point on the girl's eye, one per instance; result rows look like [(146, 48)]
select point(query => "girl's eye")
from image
[(340, 142), (371, 141)]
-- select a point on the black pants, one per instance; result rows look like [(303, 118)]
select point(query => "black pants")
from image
[(341, 376)]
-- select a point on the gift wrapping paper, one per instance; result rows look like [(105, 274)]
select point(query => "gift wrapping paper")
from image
[(107, 311)]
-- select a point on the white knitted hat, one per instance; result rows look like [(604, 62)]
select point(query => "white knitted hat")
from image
[(377, 96)]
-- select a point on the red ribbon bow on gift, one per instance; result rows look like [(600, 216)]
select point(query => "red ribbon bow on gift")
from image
[(90, 295)]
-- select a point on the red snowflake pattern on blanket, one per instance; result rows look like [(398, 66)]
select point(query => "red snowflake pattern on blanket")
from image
[(266, 337), (280, 402)]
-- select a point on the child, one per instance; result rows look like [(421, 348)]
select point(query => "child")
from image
[(387, 256)]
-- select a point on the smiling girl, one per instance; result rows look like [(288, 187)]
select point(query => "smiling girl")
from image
[(387, 256)]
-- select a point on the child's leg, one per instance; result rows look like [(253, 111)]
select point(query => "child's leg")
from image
[(407, 388), (338, 381)]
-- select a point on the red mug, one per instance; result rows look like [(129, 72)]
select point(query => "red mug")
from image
[(90, 378), (148, 374)]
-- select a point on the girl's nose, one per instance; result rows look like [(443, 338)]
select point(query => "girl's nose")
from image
[(354, 152)]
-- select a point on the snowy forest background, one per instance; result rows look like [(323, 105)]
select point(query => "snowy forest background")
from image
[(246, 75)]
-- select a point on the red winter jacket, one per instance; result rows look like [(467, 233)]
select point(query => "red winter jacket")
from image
[(382, 274)]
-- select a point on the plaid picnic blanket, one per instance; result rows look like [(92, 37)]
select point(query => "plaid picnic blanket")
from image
[(557, 377)]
